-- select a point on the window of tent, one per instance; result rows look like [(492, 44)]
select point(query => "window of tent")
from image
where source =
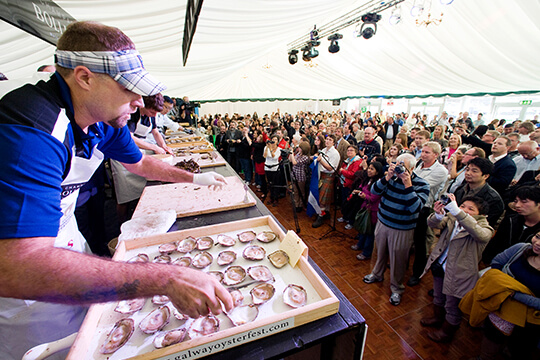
[(510, 113), (532, 112)]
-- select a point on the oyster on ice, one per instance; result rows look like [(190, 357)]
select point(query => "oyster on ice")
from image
[(278, 258), (262, 293), (241, 315), (234, 275), (168, 338), (254, 252), (168, 248), (205, 243), (266, 236), (184, 261), (119, 335), (295, 296), (226, 257), (139, 258), (260, 273), (187, 245), (156, 320), (130, 306), (202, 260), (246, 236), (162, 259), (205, 325), (225, 240)]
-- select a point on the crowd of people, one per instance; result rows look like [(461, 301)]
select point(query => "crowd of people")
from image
[(460, 193)]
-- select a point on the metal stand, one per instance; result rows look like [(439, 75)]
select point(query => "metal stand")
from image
[(286, 166)]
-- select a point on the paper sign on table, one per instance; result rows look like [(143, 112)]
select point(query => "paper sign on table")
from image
[(294, 247)]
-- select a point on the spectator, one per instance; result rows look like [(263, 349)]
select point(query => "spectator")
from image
[(392, 153), (391, 129), (453, 144), (504, 169), (402, 139), (513, 149), (271, 166), (233, 138), (300, 161), (476, 174), (420, 139), (402, 198), (347, 172), (524, 129), (457, 171), (342, 145), (528, 159), (484, 143), (365, 199), (244, 151), (347, 135), (369, 147), (454, 260), (439, 136)]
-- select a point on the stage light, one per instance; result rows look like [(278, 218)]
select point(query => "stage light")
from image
[(293, 57), (446, 2), (308, 53), (418, 8), (395, 16), (334, 46), (369, 26)]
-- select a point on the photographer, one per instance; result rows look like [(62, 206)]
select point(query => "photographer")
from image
[(271, 164), (300, 161), (454, 261), (186, 111)]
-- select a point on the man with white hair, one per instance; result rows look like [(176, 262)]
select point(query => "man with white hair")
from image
[(403, 195), (528, 159)]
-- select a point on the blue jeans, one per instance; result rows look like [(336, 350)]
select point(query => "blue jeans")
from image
[(365, 242), (246, 168)]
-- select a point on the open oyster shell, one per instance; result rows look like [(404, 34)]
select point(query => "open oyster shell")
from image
[(266, 236), (237, 296), (234, 275), (260, 273), (205, 243), (202, 260), (168, 338), (295, 296), (262, 293), (168, 248), (247, 236), (244, 314), (187, 245), (160, 299), (204, 325), (279, 258), (140, 258), (226, 257), (162, 259), (130, 306), (119, 335), (254, 252), (217, 274), (156, 320), (184, 261), (225, 240)]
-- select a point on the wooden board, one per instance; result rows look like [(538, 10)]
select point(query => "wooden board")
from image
[(189, 199), (195, 146), (204, 159), (272, 315)]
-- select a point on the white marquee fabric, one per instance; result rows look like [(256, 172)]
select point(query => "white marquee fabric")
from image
[(240, 48)]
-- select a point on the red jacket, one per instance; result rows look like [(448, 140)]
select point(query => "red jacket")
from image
[(348, 171)]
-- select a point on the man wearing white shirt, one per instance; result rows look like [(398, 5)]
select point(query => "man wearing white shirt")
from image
[(528, 159), (443, 120)]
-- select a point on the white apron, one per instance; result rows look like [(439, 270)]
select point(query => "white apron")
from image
[(27, 323)]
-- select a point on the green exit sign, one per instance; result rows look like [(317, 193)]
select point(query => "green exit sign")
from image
[(364, 109), (526, 102)]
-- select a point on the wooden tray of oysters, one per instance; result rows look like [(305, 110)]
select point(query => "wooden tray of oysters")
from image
[(246, 256)]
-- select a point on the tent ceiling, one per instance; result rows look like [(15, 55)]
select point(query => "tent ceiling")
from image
[(240, 48)]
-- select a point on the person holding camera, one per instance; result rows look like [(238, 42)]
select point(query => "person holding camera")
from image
[(465, 232), (300, 161), (403, 195), (271, 164)]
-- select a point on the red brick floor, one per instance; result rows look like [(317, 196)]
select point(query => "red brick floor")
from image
[(394, 331)]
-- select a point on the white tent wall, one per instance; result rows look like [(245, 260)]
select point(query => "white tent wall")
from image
[(266, 107)]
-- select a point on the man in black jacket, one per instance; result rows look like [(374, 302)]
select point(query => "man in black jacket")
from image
[(505, 168), (391, 129)]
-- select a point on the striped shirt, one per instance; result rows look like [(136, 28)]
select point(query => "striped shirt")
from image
[(400, 206)]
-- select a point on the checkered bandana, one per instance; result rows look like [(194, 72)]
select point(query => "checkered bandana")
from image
[(125, 67)]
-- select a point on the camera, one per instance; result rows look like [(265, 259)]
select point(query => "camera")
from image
[(399, 169), (285, 153), (270, 142), (191, 106), (444, 199)]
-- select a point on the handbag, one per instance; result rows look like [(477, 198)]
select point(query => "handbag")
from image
[(362, 221)]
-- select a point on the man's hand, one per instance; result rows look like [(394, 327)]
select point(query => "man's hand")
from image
[(196, 293), (159, 150), (406, 178), (391, 171), (168, 150), (439, 208), (210, 179)]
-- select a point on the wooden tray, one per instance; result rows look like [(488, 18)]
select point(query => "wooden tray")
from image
[(194, 146), (213, 158), (275, 315), (189, 199)]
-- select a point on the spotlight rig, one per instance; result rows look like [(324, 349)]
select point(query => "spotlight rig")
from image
[(334, 46), (293, 57), (369, 26)]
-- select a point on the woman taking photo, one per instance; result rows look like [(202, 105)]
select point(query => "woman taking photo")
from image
[(453, 144), (271, 164)]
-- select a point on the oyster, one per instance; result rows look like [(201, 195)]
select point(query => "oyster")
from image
[(266, 236), (295, 296), (205, 243), (234, 275), (187, 245), (130, 306), (202, 260), (238, 298), (119, 335), (260, 273), (262, 293), (226, 257), (160, 299), (168, 338), (204, 325), (168, 248), (279, 258), (156, 320), (247, 236), (177, 314), (241, 315), (225, 240), (254, 252), (162, 259), (217, 274), (139, 258), (184, 261)]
